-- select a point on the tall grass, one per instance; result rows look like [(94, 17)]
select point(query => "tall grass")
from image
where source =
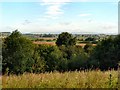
[(76, 79)]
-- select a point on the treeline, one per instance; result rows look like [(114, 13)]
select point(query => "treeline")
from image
[(21, 55)]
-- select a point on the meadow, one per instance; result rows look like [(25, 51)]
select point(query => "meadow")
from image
[(75, 79)]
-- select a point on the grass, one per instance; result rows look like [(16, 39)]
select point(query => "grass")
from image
[(76, 79)]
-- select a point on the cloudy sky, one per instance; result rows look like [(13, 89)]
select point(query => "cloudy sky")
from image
[(55, 16)]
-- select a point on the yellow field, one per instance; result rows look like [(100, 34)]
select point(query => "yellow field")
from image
[(76, 79), (53, 43)]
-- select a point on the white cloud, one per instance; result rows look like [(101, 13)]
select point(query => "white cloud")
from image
[(48, 2), (109, 26), (82, 26), (54, 8), (84, 14), (58, 27)]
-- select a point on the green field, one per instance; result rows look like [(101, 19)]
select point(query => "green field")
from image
[(76, 79)]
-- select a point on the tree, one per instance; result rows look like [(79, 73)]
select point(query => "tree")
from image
[(39, 63), (88, 48), (17, 53), (78, 59), (106, 54), (65, 39), (51, 55), (90, 39), (74, 57)]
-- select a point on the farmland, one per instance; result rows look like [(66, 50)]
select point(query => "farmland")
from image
[(76, 79), (53, 43), (82, 39), (50, 39)]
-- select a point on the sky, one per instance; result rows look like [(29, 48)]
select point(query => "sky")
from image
[(53, 16)]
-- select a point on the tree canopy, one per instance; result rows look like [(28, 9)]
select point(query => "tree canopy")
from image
[(17, 53), (106, 54), (66, 39)]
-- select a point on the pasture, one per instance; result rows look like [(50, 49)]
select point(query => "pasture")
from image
[(76, 79)]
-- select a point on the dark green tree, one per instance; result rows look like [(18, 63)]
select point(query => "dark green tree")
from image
[(78, 59), (65, 39), (90, 39), (106, 54), (17, 53), (39, 65), (52, 56), (88, 48), (74, 57)]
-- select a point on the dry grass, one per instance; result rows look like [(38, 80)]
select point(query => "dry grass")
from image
[(47, 38), (53, 43), (76, 79)]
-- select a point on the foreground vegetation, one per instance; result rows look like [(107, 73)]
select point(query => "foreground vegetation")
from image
[(76, 79)]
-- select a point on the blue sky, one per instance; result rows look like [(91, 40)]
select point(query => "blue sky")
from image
[(56, 17)]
